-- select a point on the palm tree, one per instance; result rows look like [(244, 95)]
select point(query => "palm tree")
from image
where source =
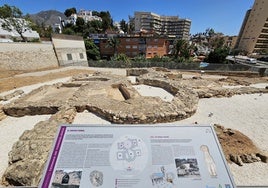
[(113, 43), (182, 49)]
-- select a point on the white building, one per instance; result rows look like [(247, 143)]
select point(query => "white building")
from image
[(87, 15), (71, 19)]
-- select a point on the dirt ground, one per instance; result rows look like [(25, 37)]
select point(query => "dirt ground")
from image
[(9, 81), (237, 146)]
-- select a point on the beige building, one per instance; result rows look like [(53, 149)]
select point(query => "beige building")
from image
[(162, 25), (70, 50), (253, 36)]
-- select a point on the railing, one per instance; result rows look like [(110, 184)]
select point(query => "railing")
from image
[(170, 65)]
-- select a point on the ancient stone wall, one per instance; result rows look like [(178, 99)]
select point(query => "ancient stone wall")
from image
[(27, 56)]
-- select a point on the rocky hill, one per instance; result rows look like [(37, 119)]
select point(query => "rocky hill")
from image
[(49, 17)]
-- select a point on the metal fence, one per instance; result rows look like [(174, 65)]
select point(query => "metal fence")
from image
[(172, 65)]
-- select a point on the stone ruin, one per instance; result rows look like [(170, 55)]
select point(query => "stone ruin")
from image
[(108, 96)]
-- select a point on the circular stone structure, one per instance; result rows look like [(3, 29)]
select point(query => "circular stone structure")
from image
[(110, 97)]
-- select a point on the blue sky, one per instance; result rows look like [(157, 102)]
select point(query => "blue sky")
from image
[(224, 16)]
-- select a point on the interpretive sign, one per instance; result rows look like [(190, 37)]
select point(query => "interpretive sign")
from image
[(133, 156)]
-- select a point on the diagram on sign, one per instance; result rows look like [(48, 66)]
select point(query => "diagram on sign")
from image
[(128, 150), (129, 155)]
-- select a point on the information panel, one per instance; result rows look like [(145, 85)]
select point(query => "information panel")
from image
[(136, 156)]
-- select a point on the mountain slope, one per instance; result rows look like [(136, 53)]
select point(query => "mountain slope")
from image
[(49, 17)]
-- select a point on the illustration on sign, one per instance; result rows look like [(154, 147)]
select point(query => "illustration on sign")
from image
[(209, 161), (129, 155)]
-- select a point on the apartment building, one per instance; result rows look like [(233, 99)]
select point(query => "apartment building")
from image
[(134, 46), (162, 25), (253, 36)]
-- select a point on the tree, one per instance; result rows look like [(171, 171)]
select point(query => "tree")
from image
[(94, 26), (7, 11), (113, 43), (11, 19), (178, 47), (123, 25), (131, 24), (209, 32), (79, 26), (68, 12), (95, 13), (121, 60), (107, 21), (182, 49), (218, 55), (92, 50), (68, 31), (216, 42), (97, 25)]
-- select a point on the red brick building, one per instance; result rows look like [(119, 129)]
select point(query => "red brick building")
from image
[(135, 46)]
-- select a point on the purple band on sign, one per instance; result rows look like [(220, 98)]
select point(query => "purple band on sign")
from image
[(54, 157)]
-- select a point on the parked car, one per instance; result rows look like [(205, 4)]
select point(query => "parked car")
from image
[(251, 61)]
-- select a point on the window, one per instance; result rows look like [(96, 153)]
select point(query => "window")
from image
[(81, 56), (127, 46), (134, 47), (69, 57)]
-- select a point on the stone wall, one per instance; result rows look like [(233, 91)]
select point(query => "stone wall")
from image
[(27, 56)]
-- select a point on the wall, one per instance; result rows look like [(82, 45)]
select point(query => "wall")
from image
[(70, 50), (27, 56)]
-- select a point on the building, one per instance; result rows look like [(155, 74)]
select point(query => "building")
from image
[(70, 50), (87, 16), (134, 46), (84, 14), (70, 20), (253, 36), (162, 25)]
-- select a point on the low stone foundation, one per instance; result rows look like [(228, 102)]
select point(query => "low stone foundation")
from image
[(92, 94)]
